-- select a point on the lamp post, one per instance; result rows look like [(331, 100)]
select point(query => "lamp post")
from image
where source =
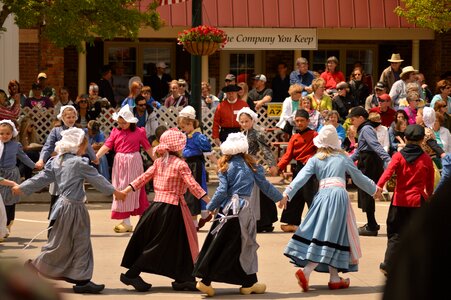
[(196, 63)]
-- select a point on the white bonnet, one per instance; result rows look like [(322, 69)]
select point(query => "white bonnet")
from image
[(70, 141), (250, 112), (63, 108), (11, 123), (234, 144), (428, 116), (327, 137), (126, 114), (188, 112)]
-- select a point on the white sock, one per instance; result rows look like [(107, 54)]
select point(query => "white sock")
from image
[(333, 274), (308, 269), (127, 222), (204, 214)]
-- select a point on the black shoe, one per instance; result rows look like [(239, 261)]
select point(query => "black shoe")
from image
[(89, 288), (265, 229), (365, 230), (383, 269), (138, 283), (184, 286)]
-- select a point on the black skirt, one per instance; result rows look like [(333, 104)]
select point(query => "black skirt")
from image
[(371, 166), (196, 165), (219, 259), (159, 244), (268, 212)]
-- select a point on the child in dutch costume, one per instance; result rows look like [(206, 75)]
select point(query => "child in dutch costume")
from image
[(197, 145), (68, 253), (267, 213), (327, 240), (165, 239), (10, 151), (126, 141), (229, 253)]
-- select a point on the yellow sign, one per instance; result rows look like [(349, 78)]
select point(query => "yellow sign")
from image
[(274, 110)]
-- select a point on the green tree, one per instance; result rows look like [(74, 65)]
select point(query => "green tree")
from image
[(433, 14), (70, 22)]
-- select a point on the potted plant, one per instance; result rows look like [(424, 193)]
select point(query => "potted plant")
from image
[(202, 40)]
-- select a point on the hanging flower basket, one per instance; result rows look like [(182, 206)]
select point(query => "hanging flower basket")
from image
[(202, 40)]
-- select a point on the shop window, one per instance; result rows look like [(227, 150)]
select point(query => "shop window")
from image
[(320, 57), (364, 56), (151, 56), (125, 57), (242, 64)]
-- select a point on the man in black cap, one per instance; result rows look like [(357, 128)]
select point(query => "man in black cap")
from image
[(224, 121), (414, 185), (373, 99), (371, 158)]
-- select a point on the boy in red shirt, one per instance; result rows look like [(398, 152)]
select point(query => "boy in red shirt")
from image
[(300, 148), (414, 184)]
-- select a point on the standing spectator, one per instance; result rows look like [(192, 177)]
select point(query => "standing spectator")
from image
[(38, 100), (414, 185), (183, 89), (259, 95), (13, 89), (106, 87), (159, 82), (175, 98), (392, 74), (443, 91), (147, 118), (371, 159), (332, 75), (398, 90), (357, 87), (302, 76), (281, 83), (289, 107), (229, 79), (46, 91), (384, 110), (62, 99), (209, 101), (120, 83), (146, 92), (343, 101), (224, 121), (373, 99), (8, 111), (134, 91), (94, 96)]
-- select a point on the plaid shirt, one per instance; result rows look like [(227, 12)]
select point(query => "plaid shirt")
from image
[(171, 179)]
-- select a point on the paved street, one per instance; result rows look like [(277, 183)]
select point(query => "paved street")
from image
[(274, 269)]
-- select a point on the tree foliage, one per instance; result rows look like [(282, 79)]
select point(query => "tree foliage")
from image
[(70, 22), (433, 14)]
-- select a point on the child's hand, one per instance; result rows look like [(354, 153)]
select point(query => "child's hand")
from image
[(39, 164), (273, 171), (283, 202), (378, 194), (120, 195), (16, 190), (96, 161)]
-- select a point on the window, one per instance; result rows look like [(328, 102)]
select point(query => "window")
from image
[(124, 56), (242, 63), (151, 56)]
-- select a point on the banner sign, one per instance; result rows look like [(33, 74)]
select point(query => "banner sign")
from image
[(271, 38)]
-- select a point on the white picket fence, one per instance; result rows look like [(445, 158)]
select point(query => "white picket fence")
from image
[(45, 118)]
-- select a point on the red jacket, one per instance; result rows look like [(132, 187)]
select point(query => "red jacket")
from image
[(387, 117), (413, 181), (225, 116), (300, 147)]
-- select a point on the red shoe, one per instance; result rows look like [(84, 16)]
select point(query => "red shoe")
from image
[(342, 284), (202, 222), (302, 281)]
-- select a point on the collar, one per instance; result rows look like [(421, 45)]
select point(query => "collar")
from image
[(190, 135), (411, 152), (303, 131), (232, 102), (364, 124)]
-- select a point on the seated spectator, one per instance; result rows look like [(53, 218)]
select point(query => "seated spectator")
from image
[(332, 76), (94, 96), (442, 134), (381, 130), (373, 99), (175, 98), (244, 92), (396, 131), (399, 91), (280, 83), (183, 89), (413, 99), (62, 99), (357, 87), (320, 100), (443, 91), (8, 111), (289, 107), (350, 142), (441, 107), (147, 118), (31, 144), (13, 89), (303, 76), (38, 100), (259, 95), (158, 132), (46, 90), (209, 101), (343, 100), (86, 110), (96, 138), (332, 119), (146, 92), (314, 115), (366, 78), (384, 110)]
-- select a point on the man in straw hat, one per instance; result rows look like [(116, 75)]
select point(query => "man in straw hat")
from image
[(398, 90), (392, 73)]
